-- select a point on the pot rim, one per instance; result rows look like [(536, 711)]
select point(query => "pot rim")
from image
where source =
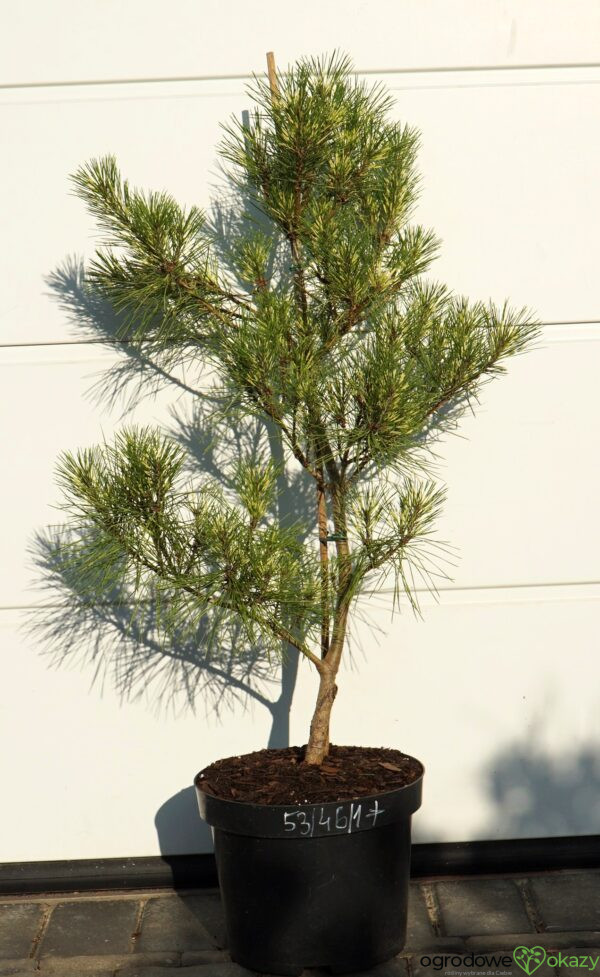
[(285, 807), (296, 822)]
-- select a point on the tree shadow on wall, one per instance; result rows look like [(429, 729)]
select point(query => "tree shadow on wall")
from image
[(121, 644), (536, 794), (115, 644), (127, 652)]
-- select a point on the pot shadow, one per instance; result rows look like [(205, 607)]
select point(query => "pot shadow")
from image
[(179, 827)]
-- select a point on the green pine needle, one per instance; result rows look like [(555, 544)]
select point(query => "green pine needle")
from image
[(319, 322)]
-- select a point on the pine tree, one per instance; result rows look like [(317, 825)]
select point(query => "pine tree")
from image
[(321, 324)]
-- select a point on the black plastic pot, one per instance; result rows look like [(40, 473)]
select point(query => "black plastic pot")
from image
[(316, 885)]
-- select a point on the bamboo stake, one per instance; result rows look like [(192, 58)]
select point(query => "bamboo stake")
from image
[(272, 72)]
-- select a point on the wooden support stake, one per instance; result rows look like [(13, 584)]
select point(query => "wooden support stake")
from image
[(272, 72)]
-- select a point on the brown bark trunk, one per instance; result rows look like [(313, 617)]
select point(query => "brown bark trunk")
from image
[(324, 560), (318, 742)]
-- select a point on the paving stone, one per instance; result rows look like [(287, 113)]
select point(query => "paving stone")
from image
[(208, 908), (476, 906), (568, 901), (76, 966), (171, 923), (19, 925), (87, 928), (548, 940), (197, 957), (88, 967), (441, 944), (419, 931), (105, 964), (397, 967), (180, 935), (18, 968), (228, 969)]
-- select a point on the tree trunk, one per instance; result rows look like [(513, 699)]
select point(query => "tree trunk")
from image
[(318, 742), (324, 561)]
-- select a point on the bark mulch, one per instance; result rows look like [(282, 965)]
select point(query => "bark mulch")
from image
[(280, 776)]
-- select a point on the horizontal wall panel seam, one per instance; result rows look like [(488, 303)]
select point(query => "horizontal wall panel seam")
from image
[(580, 336), (235, 85), (569, 66), (578, 590)]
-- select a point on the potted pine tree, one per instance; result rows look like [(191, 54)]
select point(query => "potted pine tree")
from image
[(321, 324)]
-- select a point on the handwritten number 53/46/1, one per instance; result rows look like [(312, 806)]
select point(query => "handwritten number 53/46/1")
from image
[(345, 819)]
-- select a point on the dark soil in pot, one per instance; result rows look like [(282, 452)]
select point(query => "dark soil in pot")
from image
[(280, 777), (313, 862)]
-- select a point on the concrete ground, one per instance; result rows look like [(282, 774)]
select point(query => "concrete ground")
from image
[(452, 921)]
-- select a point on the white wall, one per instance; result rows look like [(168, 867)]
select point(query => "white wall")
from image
[(497, 690)]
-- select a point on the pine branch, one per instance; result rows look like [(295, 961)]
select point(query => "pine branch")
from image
[(145, 521), (316, 317), (155, 265), (392, 525)]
